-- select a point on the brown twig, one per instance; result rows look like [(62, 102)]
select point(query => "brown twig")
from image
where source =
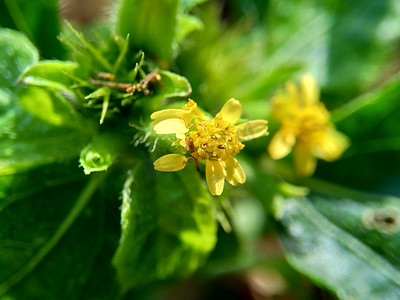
[(153, 76)]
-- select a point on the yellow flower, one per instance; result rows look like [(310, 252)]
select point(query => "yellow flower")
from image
[(306, 126), (215, 140), (169, 121)]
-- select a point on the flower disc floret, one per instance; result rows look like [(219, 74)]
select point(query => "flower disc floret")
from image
[(214, 139)]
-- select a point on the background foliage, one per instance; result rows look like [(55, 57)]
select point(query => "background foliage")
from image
[(83, 214)]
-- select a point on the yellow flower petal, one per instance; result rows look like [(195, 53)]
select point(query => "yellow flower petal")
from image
[(304, 161), (233, 171), (292, 91), (214, 177), (281, 144), (283, 107), (170, 163), (309, 89), (180, 136), (252, 129), (168, 114), (331, 145), (170, 126), (231, 111)]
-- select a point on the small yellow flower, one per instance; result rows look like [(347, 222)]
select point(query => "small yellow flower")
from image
[(215, 140), (306, 126)]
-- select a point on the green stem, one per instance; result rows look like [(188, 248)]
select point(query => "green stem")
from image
[(81, 202)]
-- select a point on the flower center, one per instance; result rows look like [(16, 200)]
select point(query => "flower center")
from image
[(214, 139), (311, 120)]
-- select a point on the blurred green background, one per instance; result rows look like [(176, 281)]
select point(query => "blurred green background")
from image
[(339, 241)]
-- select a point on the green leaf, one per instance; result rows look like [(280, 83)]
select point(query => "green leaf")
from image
[(99, 93), (88, 54), (186, 25), (51, 234), (27, 141), (51, 107), (221, 63), (371, 121), (38, 20), (52, 72), (174, 85), (44, 252), (16, 54), (41, 82), (296, 32), (349, 245), (331, 39), (168, 227), (188, 4), (370, 109), (356, 55), (150, 24)]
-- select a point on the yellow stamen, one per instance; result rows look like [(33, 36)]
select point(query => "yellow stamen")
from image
[(214, 139), (191, 107)]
